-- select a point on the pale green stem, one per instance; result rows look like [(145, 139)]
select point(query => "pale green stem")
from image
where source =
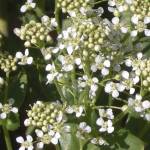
[(7, 138)]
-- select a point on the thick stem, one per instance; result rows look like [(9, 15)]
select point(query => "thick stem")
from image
[(7, 138)]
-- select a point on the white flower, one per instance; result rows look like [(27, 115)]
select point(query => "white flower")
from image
[(146, 104), (84, 127), (24, 59), (6, 109), (69, 49), (25, 144)]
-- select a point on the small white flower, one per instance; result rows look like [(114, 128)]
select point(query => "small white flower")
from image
[(24, 59), (146, 104), (25, 144), (69, 49)]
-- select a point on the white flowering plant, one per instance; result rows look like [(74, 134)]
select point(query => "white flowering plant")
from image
[(78, 77)]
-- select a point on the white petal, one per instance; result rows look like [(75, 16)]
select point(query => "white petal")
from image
[(146, 20), (135, 19), (115, 20), (33, 5), (134, 33), (39, 133), (124, 29), (107, 63), (23, 8), (40, 145), (99, 121), (19, 55), (146, 104), (105, 71), (3, 115), (30, 147), (147, 32), (29, 60), (125, 75), (57, 135), (22, 148), (26, 52), (129, 1), (29, 138), (110, 129), (132, 90), (70, 49), (54, 141), (14, 110), (20, 139), (115, 93)]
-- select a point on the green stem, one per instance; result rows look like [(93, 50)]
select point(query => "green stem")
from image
[(113, 107), (57, 17), (7, 138), (120, 116)]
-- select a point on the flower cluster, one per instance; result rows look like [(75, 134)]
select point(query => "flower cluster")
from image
[(23, 59), (139, 16), (105, 120), (8, 63), (73, 6), (140, 106), (37, 33), (48, 120), (6, 109)]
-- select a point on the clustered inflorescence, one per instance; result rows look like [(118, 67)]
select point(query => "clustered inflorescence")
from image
[(98, 67), (37, 33)]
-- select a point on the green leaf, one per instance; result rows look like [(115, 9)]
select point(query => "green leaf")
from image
[(13, 122), (69, 141), (131, 142)]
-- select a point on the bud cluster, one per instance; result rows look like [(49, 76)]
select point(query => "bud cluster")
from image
[(7, 62), (69, 5), (37, 33), (42, 115), (138, 12)]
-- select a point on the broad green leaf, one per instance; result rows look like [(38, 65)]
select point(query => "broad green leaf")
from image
[(13, 122), (131, 142)]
